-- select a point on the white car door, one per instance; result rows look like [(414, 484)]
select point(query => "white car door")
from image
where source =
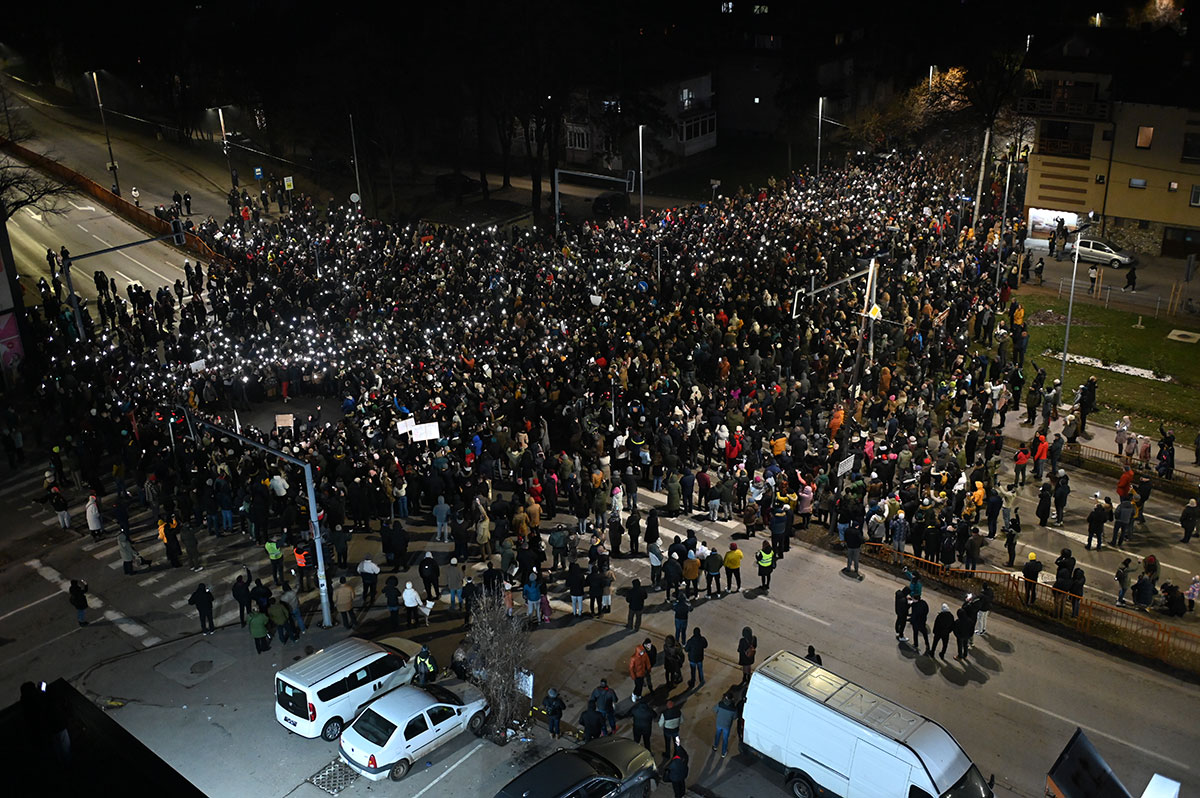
[(416, 738), (446, 722)]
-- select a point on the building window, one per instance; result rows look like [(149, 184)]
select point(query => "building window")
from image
[(756, 101), (578, 138), (1191, 147), (727, 8), (1172, 186), (1195, 200), (760, 10), (1106, 135), (1143, 224), (1145, 137), (687, 98), (1137, 182)]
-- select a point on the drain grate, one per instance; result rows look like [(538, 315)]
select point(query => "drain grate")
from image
[(334, 777)]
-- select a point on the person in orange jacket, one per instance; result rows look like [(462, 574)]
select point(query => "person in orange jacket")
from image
[(639, 668)]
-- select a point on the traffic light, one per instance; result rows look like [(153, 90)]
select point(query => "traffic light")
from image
[(178, 238)]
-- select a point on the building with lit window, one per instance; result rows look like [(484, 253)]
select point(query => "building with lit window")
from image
[(1117, 116)]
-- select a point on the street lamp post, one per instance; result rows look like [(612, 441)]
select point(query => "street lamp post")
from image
[(225, 146), (820, 115), (354, 149), (641, 178), (1062, 375), (112, 162)]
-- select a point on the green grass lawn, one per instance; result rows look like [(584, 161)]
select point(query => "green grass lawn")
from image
[(1108, 335)]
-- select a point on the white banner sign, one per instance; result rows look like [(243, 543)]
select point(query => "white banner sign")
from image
[(426, 432), (405, 425)]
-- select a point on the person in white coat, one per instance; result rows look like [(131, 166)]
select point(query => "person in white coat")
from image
[(412, 600), (95, 521)]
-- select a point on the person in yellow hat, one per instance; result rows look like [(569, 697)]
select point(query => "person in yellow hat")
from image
[(1031, 571)]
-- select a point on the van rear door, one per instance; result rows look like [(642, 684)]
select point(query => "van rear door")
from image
[(292, 700), (875, 772)]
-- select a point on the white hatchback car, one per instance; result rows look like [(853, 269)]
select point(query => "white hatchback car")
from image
[(404, 725)]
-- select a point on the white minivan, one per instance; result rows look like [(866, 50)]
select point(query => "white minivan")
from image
[(322, 692), (825, 731)]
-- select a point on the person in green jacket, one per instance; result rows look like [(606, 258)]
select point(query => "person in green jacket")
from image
[(257, 622), (674, 495), (279, 615)]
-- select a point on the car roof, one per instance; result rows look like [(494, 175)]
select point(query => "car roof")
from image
[(550, 778), (329, 661), (409, 648), (403, 702)]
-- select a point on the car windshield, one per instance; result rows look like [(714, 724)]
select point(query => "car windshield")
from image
[(291, 698), (443, 695), (971, 785), (601, 765), (373, 727)]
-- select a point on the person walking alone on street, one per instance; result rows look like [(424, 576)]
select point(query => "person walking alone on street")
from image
[(726, 712), (343, 599), (1130, 279), (1187, 521), (202, 600), (77, 595)]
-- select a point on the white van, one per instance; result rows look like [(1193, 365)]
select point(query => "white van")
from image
[(322, 692), (825, 731)]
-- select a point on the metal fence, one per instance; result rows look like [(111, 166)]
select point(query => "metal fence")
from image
[(1133, 630)]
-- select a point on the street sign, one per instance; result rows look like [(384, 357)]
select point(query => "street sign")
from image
[(258, 173), (845, 466), (875, 312), (355, 198), (287, 184)]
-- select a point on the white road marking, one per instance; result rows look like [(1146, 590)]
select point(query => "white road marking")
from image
[(1094, 730), (781, 605), (125, 276), (151, 580), (126, 625), (122, 622), (227, 617), (30, 604), (37, 217), (100, 555), (448, 770), (49, 522), (82, 207), (81, 227), (151, 641), (95, 544)]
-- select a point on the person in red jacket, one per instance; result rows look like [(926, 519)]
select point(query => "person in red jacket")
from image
[(1040, 456), (1022, 460), (1125, 483), (639, 669)]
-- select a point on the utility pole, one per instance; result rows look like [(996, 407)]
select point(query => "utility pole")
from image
[(820, 116), (987, 140), (641, 179), (1062, 374), (354, 148), (1004, 214), (112, 162)]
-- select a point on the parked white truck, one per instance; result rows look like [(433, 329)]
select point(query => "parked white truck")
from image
[(824, 731)]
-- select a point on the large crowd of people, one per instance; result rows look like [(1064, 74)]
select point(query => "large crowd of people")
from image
[(702, 353)]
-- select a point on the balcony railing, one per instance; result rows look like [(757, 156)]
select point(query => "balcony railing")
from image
[(1071, 109), (1065, 148)]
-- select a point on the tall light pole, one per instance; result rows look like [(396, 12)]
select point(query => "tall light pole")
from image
[(225, 145), (112, 162), (641, 179), (931, 77), (1062, 375), (354, 148), (820, 116)]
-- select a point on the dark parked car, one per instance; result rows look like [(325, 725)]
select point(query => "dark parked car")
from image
[(609, 767), (452, 184), (612, 203)]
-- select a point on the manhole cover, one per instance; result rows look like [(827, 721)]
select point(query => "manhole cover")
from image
[(334, 777), (203, 666)]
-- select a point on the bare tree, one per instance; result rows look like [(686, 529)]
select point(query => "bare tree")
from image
[(498, 646)]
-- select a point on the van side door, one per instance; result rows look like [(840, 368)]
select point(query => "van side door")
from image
[(875, 772)]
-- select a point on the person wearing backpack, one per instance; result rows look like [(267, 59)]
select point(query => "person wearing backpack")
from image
[(1122, 577), (554, 707)]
